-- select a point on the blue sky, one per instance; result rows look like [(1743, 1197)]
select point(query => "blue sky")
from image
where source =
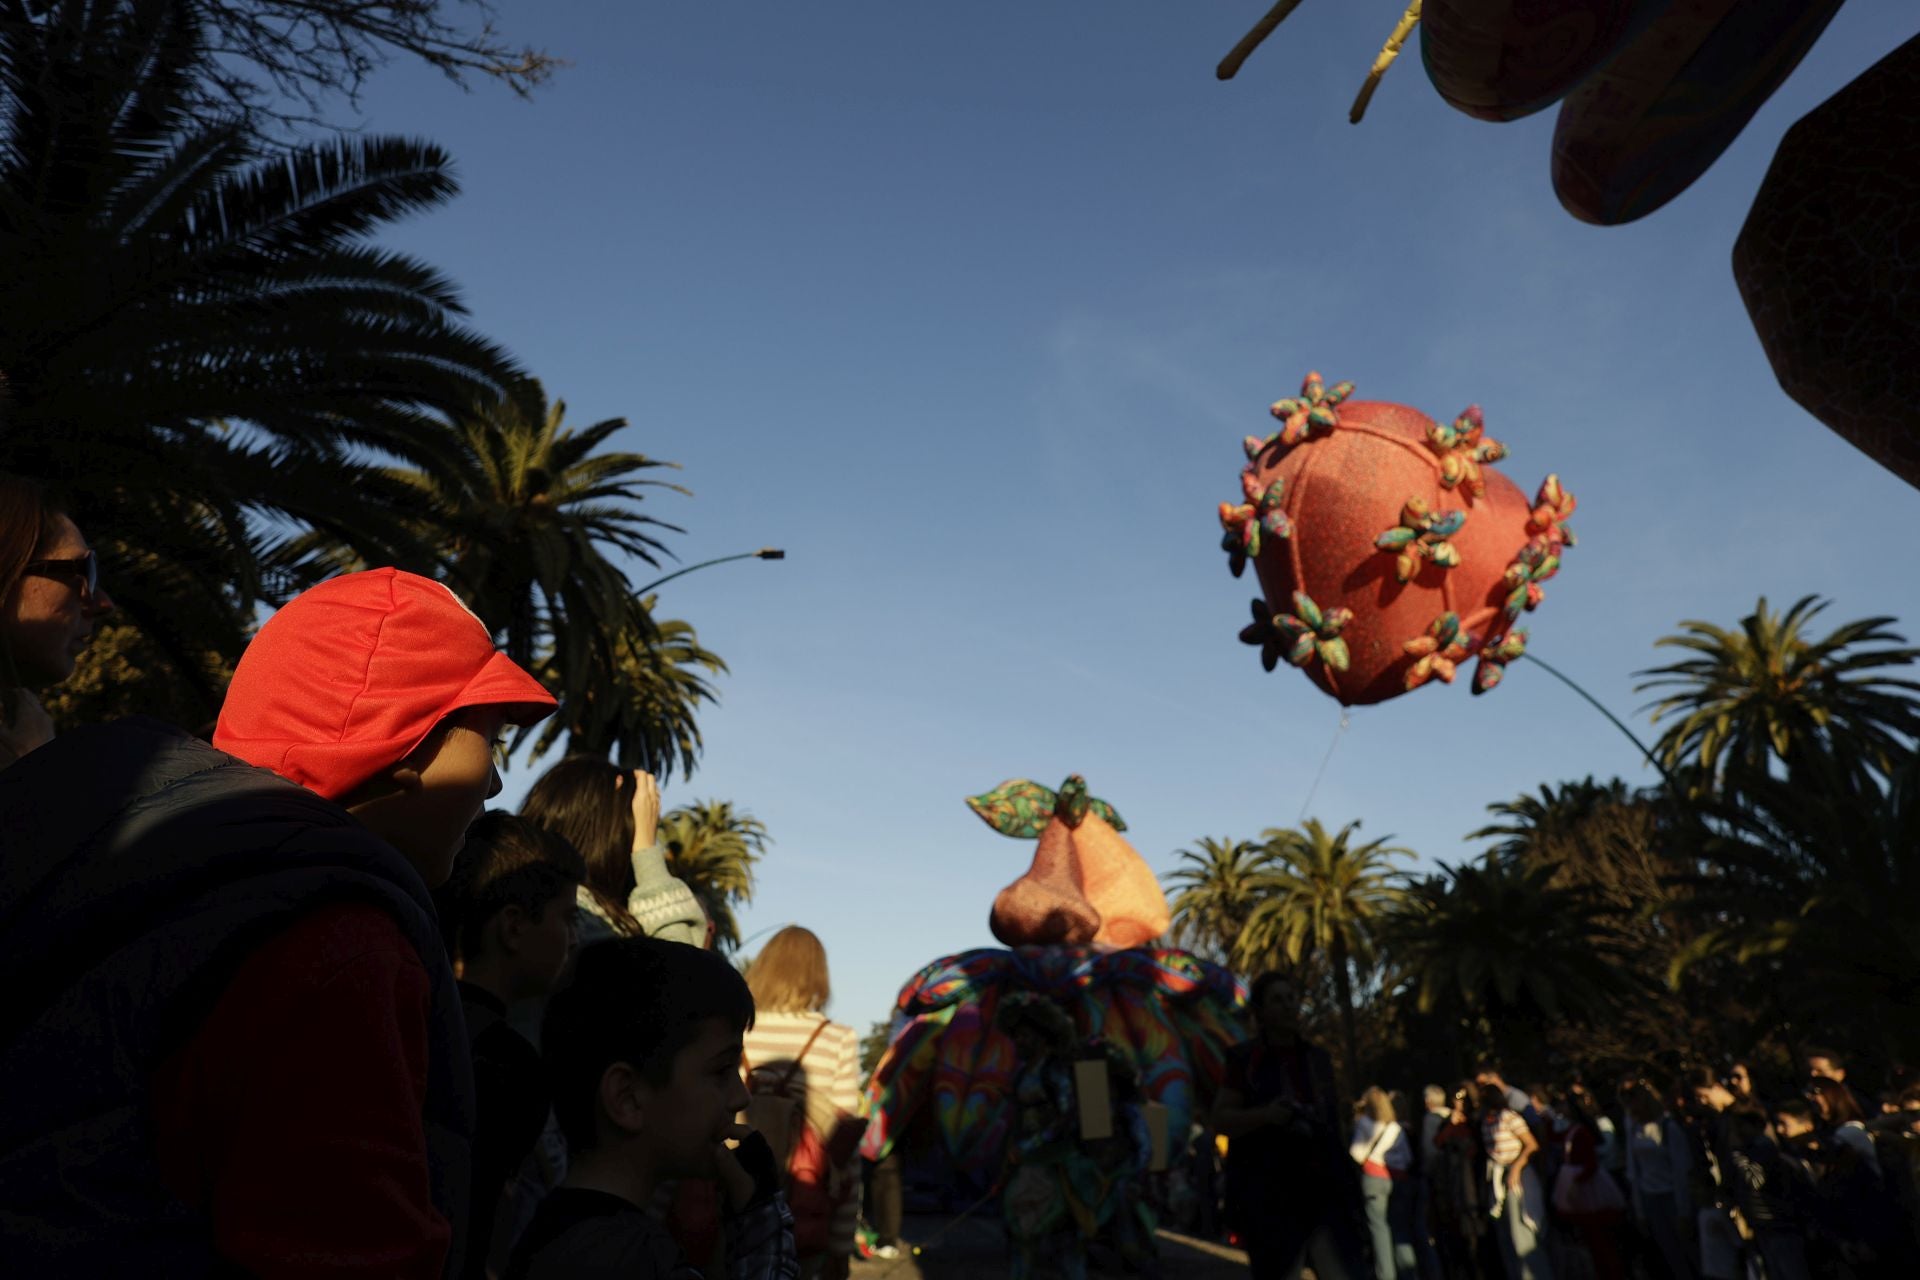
[(969, 307)]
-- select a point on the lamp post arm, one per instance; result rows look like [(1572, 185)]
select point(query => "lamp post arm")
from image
[(764, 553)]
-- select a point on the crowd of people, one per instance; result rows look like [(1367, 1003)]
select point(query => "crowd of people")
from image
[(287, 1000), (1700, 1176)]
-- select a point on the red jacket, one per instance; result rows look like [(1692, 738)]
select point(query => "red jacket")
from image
[(293, 1116)]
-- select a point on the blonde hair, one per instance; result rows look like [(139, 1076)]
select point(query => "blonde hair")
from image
[(790, 973), (1377, 1104)]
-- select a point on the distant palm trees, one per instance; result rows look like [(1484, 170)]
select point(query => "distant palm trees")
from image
[(1768, 691), (712, 847), (1218, 885), (1502, 944), (1301, 896)]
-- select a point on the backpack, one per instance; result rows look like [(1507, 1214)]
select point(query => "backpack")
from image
[(780, 1114)]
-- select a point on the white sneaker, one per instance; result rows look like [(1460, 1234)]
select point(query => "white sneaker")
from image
[(886, 1252)]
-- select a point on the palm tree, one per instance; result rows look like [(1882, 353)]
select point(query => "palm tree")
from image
[(712, 847), (645, 715), (198, 341), (528, 519), (1768, 691), (1322, 894), (1502, 942), (1808, 886), (1218, 888), (1606, 836)]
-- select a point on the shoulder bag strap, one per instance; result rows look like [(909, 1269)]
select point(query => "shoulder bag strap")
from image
[(793, 1068)]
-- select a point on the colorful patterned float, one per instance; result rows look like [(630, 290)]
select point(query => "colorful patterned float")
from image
[(1081, 927), (947, 1069)]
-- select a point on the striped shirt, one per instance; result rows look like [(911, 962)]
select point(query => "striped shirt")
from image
[(1505, 1136), (829, 1082)]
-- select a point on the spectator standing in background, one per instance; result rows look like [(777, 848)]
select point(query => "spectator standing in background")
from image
[(507, 912), (1385, 1155), (612, 816), (792, 1041), (1838, 1112), (1659, 1162), (1515, 1197), (1289, 1194), (1433, 1118)]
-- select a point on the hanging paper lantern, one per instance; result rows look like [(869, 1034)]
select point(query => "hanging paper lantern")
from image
[(1086, 884), (1829, 262), (1640, 130), (1504, 59), (1388, 549)]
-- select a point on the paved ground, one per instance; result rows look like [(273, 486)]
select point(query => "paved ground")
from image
[(976, 1249)]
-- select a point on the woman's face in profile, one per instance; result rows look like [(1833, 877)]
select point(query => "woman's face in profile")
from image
[(47, 617)]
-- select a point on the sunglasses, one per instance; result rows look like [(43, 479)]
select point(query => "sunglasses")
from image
[(83, 569)]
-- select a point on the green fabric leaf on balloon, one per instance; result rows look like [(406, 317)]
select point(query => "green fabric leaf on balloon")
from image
[(1070, 805), (1108, 813), (1019, 808)]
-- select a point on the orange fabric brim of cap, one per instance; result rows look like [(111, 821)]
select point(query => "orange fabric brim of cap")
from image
[(501, 683)]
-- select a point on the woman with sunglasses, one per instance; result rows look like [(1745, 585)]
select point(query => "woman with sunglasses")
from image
[(50, 598)]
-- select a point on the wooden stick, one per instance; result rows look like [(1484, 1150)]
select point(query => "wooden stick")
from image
[(1251, 41), (1388, 52)]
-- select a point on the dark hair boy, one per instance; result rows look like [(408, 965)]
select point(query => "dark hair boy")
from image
[(507, 913), (643, 1052)]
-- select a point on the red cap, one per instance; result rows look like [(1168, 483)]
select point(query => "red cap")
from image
[(349, 677)]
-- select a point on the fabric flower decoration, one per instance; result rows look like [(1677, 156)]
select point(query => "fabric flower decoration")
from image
[(1247, 521), (1315, 632), (1265, 631), (1314, 412), (1439, 651), (1463, 449), (1422, 535), (1494, 657), (1536, 563), (1309, 633), (1551, 507)]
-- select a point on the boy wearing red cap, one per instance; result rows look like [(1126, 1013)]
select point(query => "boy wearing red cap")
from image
[(239, 1041)]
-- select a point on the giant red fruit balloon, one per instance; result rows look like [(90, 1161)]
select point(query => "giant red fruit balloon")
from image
[(1388, 547)]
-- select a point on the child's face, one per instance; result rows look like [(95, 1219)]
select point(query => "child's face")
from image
[(546, 943), (432, 800), (688, 1118)]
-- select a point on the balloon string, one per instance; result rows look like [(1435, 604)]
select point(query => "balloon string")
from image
[(1325, 760)]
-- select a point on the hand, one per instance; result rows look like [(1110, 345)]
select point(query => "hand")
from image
[(25, 726), (747, 1172), (646, 810)]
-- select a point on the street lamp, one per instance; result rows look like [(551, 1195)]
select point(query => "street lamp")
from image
[(764, 553)]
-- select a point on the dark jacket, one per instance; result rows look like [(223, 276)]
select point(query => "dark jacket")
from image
[(138, 869)]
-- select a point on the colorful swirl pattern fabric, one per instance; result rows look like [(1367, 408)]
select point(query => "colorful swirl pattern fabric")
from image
[(1174, 1014)]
